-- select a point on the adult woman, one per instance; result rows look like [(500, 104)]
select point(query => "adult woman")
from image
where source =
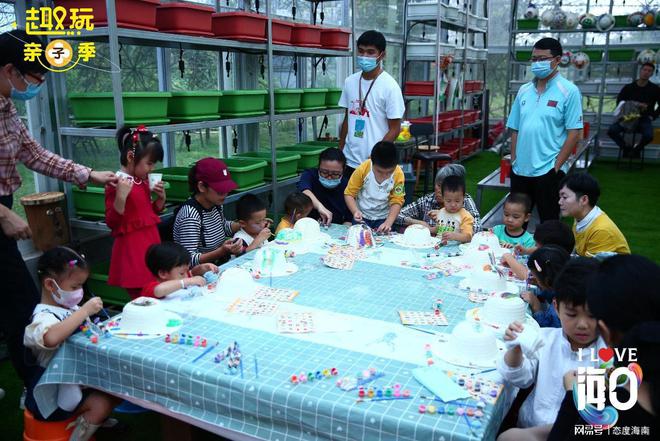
[(417, 212), (325, 186), (200, 225), (624, 296)]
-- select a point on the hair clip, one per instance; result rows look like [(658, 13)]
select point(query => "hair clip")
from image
[(538, 267), (73, 262)]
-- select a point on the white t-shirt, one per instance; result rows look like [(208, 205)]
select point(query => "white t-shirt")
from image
[(384, 102)]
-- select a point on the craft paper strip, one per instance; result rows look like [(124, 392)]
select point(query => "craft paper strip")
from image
[(439, 384)]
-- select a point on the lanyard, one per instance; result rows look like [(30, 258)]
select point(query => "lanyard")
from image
[(362, 103)]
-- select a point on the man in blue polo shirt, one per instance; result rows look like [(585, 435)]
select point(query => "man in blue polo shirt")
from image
[(545, 119)]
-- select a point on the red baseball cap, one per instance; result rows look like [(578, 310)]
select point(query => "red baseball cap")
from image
[(213, 172)]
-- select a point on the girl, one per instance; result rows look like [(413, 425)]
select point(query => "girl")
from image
[(544, 264), (624, 296), (62, 273), (129, 212)]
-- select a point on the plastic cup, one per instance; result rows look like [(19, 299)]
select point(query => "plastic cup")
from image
[(154, 178)]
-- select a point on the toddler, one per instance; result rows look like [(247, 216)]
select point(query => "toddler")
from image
[(454, 222), (296, 206), (255, 226), (544, 265), (517, 211)]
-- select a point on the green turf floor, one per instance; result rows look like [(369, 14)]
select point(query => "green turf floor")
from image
[(630, 198)]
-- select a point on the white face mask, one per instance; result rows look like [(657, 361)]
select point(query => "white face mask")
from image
[(68, 299)]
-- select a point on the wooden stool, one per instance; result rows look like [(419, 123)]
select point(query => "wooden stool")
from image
[(35, 430), (46, 217)]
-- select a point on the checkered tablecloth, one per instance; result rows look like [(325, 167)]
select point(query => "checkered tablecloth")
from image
[(262, 402)]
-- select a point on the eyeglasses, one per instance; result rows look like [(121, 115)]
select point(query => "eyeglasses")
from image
[(535, 59), (330, 174), (30, 78)]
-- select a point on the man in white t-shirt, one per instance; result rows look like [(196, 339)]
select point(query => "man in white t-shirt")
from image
[(373, 102)]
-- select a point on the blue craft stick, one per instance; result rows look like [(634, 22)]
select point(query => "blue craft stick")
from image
[(209, 349), (389, 399), (256, 367), (484, 371), (467, 420), (105, 313)]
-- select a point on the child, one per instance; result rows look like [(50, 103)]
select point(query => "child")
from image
[(454, 222), (550, 232), (376, 190), (296, 206), (169, 262), (559, 353), (517, 211), (255, 226), (62, 273), (544, 264), (129, 212)]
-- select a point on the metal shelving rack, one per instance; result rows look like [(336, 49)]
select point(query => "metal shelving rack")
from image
[(114, 36), (466, 24), (516, 69)]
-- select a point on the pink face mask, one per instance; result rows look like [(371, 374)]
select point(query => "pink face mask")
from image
[(68, 299)]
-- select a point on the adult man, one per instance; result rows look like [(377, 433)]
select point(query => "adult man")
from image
[(546, 119), (373, 102), (21, 80), (647, 95)]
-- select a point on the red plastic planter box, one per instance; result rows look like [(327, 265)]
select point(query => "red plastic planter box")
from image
[(282, 31), (135, 14), (335, 38), (243, 26), (449, 150), (306, 35), (424, 88), (185, 18)]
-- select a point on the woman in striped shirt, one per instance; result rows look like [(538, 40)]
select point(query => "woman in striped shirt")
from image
[(200, 225)]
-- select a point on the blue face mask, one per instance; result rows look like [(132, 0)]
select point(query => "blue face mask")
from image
[(542, 69), (30, 92), (367, 64), (329, 183)]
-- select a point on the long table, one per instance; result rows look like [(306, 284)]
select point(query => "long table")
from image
[(358, 327)]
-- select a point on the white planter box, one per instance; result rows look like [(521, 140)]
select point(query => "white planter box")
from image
[(427, 49), (452, 13), (482, 54), (476, 22), (426, 10), (472, 53)]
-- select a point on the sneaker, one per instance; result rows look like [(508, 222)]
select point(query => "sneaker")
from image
[(82, 430)]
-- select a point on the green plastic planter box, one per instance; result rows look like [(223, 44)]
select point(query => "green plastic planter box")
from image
[(194, 106), (309, 154), (139, 108), (621, 21), (287, 163), (248, 173), (314, 99), (177, 178), (528, 23), (621, 54), (97, 282), (241, 103), (286, 100), (523, 55), (89, 203), (332, 98), (595, 55), (320, 143)]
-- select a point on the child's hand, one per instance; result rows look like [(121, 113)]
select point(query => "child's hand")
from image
[(195, 281), (92, 306), (269, 222), (233, 246), (506, 245), (124, 186), (449, 235), (570, 378), (507, 258), (203, 268), (159, 189), (513, 330), (263, 235), (519, 249), (357, 216), (384, 228), (532, 299)]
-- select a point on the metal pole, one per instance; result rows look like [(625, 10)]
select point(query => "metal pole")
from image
[(511, 55), (271, 108), (164, 85), (113, 42), (601, 94)]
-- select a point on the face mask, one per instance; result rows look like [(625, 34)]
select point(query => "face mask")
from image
[(29, 93), (367, 64), (542, 69), (68, 299), (329, 183)]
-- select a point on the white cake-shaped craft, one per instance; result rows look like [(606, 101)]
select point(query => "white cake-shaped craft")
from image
[(483, 278), (236, 282), (144, 315), (471, 342), (269, 261), (417, 235), (503, 310), (485, 241), (360, 236), (288, 236), (309, 229)]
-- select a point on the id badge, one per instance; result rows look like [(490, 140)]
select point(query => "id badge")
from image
[(359, 128)]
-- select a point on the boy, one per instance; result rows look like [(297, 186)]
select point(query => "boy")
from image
[(296, 206), (558, 354), (594, 230), (373, 102), (454, 222), (255, 226), (169, 262), (517, 211), (375, 191)]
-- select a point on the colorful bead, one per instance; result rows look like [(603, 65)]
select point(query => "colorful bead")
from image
[(429, 362), (461, 382), (379, 393), (493, 393), (441, 410), (397, 386), (469, 411), (94, 339), (422, 408), (370, 393), (460, 411), (478, 414), (450, 410), (167, 338), (326, 372), (204, 343), (431, 409), (397, 393), (310, 376), (334, 371), (388, 392), (361, 393), (319, 375), (406, 393), (303, 378), (294, 379), (366, 374)]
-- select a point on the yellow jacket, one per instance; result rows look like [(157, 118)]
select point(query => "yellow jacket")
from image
[(375, 198), (601, 235)]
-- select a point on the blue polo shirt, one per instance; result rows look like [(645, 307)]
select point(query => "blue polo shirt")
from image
[(542, 122), (332, 199)]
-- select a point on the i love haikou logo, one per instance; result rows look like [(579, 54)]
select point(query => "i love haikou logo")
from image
[(589, 391)]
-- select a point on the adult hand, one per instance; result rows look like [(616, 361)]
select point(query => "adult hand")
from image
[(206, 267), (233, 246), (195, 281), (124, 186), (14, 226), (358, 216), (434, 214), (102, 177), (384, 228), (513, 330), (92, 306), (326, 215), (159, 189)]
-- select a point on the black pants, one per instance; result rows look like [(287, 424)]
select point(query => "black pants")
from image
[(542, 190), (19, 297), (644, 127)]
